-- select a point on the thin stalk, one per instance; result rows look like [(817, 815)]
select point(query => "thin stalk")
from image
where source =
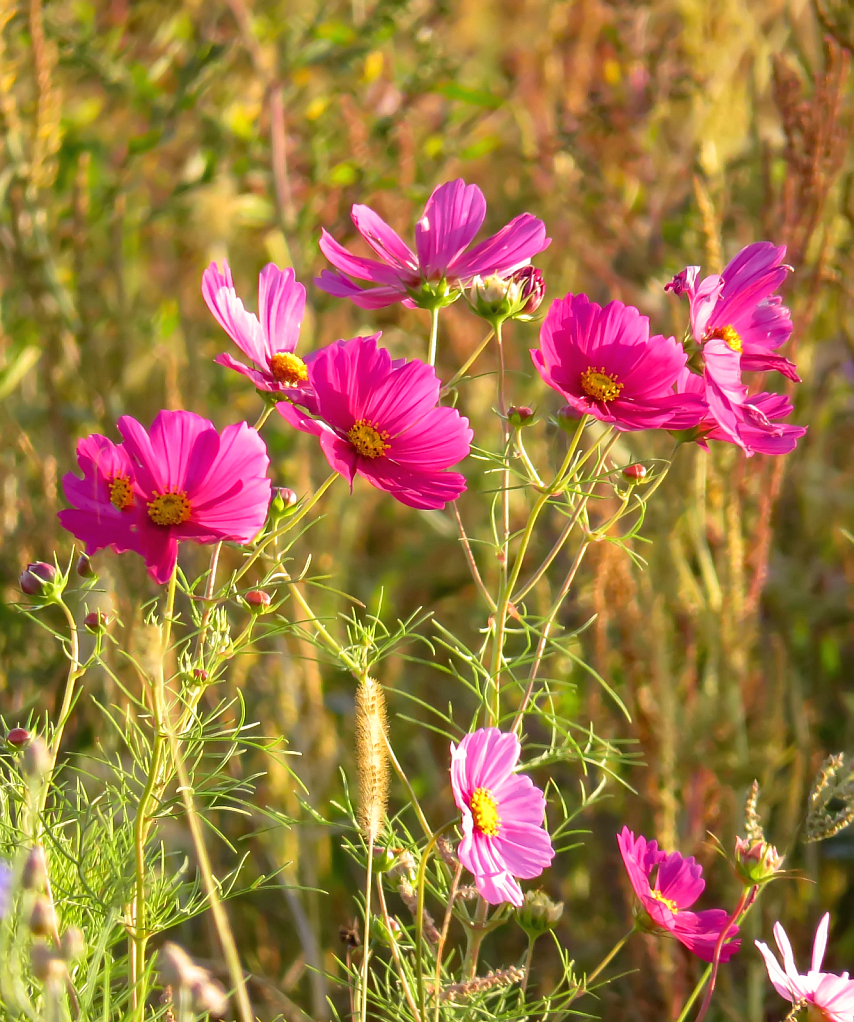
[(748, 896), (455, 379), (695, 993), (434, 335), (262, 418), (526, 461), (472, 563), (142, 824), (367, 942), (208, 597), (476, 934), (327, 638), (529, 960), (419, 916), (410, 791), (395, 954), (584, 987), (443, 936)]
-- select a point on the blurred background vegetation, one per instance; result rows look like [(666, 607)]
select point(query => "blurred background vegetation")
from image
[(141, 139)]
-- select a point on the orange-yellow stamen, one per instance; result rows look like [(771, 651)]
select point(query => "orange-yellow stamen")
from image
[(599, 385), (288, 369), (667, 902), (368, 440), (728, 334), (484, 810), (121, 493), (169, 508)]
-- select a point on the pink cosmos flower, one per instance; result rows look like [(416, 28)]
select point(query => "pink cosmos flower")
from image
[(751, 421), (666, 886), (740, 308), (503, 833), (830, 994), (452, 217), (270, 342), (377, 418), (181, 481), (605, 364)]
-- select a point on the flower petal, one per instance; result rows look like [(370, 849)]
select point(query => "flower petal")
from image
[(451, 219)]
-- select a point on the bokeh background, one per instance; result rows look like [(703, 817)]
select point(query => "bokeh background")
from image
[(142, 139)]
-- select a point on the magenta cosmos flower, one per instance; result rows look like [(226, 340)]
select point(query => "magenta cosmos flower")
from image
[(605, 364), (829, 997), (377, 418), (754, 422), (181, 481), (503, 834), (271, 341), (740, 308), (452, 217), (666, 886)]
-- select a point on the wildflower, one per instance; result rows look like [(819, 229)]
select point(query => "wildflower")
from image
[(739, 307), (37, 579), (828, 996), (258, 600), (756, 861), (605, 364), (271, 342), (440, 267), (181, 481), (666, 885), (635, 473), (533, 289), (377, 418), (520, 416), (18, 737), (502, 815), (96, 621)]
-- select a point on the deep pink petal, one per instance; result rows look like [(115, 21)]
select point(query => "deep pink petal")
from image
[(763, 362), (441, 439), (511, 248), (385, 241), (358, 266), (366, 298), (680, 880), (451, 219), (498, 889), (703, 305)]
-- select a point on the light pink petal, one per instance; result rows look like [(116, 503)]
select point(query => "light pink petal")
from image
[(241, 326), (262, 380), (451, 219), (511, 248), (820, 942), (519, 800), (684, 282), (366, 298), (525, 850), (703, 304), (281, 304), (358, 266), (498, 889), (835, 994), (785, 947), (725, 392), (778, 978)]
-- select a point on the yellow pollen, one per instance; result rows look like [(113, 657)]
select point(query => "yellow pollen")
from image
[(368, 440), (121, 493), (728, 334), (169, 508), (288, 368), (484, 809), (600, 385), (668, 902)]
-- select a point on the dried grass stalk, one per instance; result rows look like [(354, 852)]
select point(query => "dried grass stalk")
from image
[(371, 757)]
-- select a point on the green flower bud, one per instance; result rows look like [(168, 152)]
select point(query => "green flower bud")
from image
[(756, 862), (538, 913)]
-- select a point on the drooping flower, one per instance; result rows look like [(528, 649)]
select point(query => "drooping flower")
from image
[(666, 884), (377, 418), (269, 341), (739, 307), (441, 265), (751, 421), (603, 361), (830, 995), (502, 815), (182, 480)]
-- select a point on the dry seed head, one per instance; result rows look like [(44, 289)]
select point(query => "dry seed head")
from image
[(480, 984), (752, 826), (371, 756), (834, 782)]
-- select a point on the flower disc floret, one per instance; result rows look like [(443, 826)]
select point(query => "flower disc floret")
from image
[(728, 334), (121, 492), (599, 385), (369, 441), (288, 368), (169, 508), (484, 811)]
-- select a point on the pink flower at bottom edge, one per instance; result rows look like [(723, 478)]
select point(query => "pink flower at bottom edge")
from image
[(666, 885), (831, 994), (502, 815)]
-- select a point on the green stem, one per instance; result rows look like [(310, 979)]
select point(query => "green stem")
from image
[(367, 942), (455, 379), (529, 960), (504, 589), (477, 932), (584, 987), (443, 936), (265, 414), (419, 916), (695, 993), (434, 335)]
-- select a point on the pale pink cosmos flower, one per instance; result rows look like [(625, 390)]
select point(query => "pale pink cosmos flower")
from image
[(182, 480), (502, 815), (831, 996), (667, 885), (377, 418), (739, 307), (604, 363), (451, 219), (271, 340)]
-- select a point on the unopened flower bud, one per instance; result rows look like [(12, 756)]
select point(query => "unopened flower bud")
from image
[(756, 862), (538, 913), (390, 934), (19, 737), (519, 415), (46, 964), (200, 675), (635, 473), (34, 874), (36, 761), (42, 918), (384, 859), (258, 601), (96, 621), (404, 864), (84, 567), (532, 289), (567, 418), (72, 946), (284, 500), (37, 579)]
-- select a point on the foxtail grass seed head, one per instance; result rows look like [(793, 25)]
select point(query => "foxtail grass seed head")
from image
[(752, 823), (180, 972), (371, 756), (834, 784), (480, 984)]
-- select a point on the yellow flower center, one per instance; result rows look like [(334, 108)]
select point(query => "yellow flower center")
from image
[(369, 441), (667, 902), (288, 368), (121, 493), (728, 334), (169, 508), (484, 809), (600, 385)]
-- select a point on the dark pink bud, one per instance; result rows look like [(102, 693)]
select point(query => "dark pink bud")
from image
[(287, 495), (84, 567), (520, 416), (37, 578), (258, 600), (635, 473), (533, 288), (567, 418), (200, 674), (19, 737), (96, 621)]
